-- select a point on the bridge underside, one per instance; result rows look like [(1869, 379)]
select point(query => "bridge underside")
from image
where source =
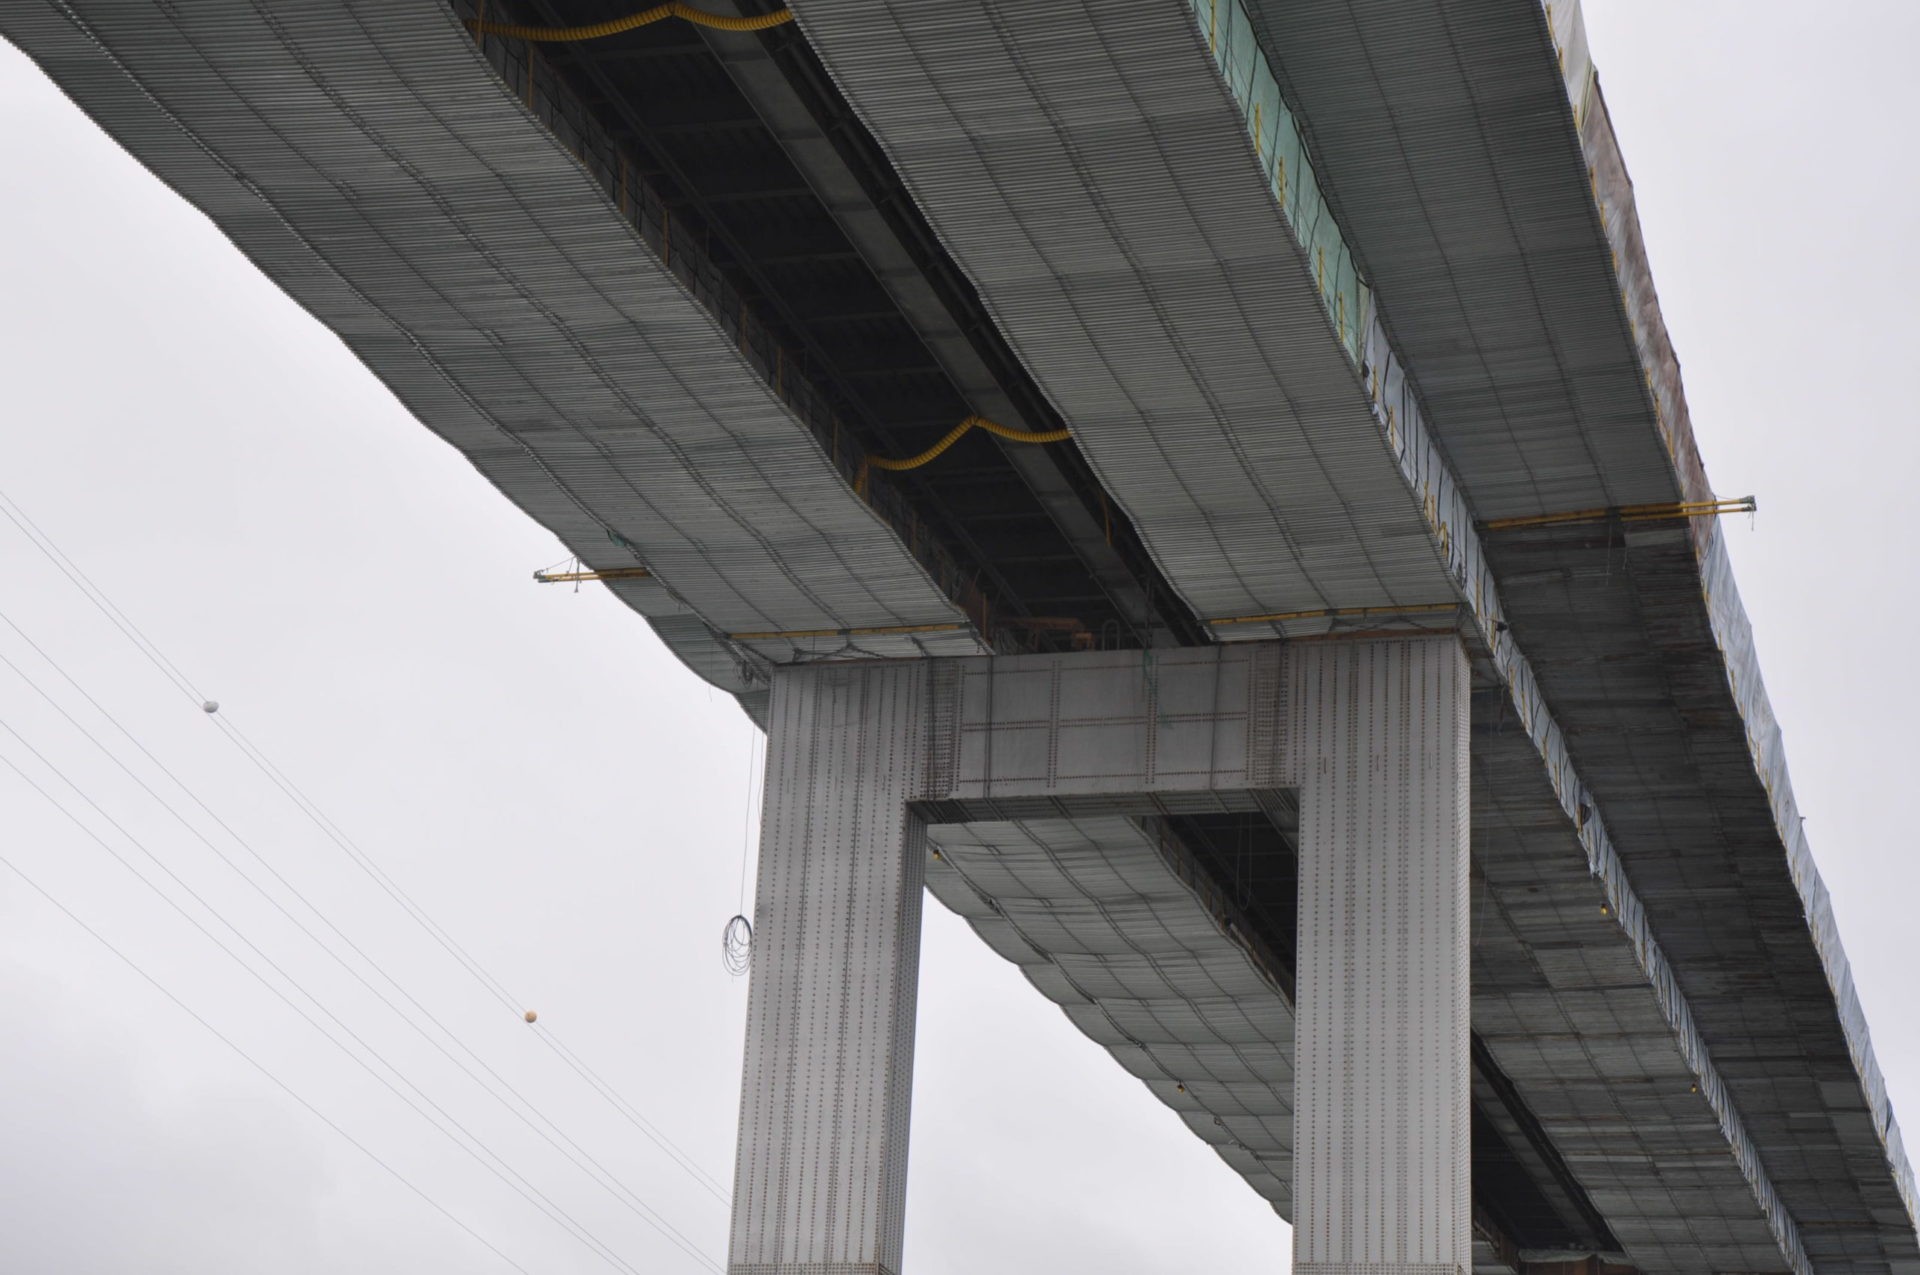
[(1467, 148), (667, 291)]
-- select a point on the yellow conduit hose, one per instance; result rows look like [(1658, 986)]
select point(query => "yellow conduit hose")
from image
[(953, 436), (719, 22)]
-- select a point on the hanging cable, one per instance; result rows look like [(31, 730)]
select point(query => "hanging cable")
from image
[(659, 13), (746, 814), (736, 941), (255, 1063), (736, 946), (953, 436), (259, 759)]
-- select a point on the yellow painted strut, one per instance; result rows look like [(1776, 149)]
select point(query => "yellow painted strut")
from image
[(1630, 513), (1334, 612), (814, 633), (659, 13), (611, 573)]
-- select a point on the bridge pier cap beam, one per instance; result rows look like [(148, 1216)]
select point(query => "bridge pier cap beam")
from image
[(1369, 736)]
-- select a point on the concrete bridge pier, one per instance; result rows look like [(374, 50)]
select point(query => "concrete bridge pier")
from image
[(820, 1176), (1370, 738), (1381, 1121)]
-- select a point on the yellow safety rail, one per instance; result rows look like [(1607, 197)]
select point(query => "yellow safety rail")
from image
[(659, 13)]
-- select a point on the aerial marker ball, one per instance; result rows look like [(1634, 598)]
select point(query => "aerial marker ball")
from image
[(211, 706), (531, 1015)]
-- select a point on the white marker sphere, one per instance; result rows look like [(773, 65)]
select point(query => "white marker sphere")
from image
[(211, 706)]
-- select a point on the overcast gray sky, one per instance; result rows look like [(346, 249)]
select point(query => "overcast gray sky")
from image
[(571, 804)]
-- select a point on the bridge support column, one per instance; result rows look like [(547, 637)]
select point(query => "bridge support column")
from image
[(820, 1175), (1370, 735), (1379, 745)]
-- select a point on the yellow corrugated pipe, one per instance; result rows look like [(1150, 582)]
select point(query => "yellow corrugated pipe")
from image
[(953, 436), (599, 30)]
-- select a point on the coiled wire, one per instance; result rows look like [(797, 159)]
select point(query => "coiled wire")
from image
[(736, 946)]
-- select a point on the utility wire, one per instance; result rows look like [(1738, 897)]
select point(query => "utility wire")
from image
[(605, 1177), (256, 1064), (462, 957), (483, 1155), (746, 835), (258, 757), (736, 941)]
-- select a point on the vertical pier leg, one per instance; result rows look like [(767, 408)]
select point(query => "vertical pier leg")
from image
[(821, 1172), (1381, 1118)]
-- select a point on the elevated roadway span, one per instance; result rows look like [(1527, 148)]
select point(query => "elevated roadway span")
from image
[(1340, 308)]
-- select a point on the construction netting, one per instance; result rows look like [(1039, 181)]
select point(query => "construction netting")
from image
[(1277, 141), (1613, 193)]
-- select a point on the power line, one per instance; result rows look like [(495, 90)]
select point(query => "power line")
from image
[(601, 1175), (736, 941), (712, 1188), (256, 1064), (462, 957), (746, 814), (478, 1151), (525, 1188), (258, 757)]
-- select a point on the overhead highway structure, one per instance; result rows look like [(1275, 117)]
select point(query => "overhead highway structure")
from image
[(1147, 219), (668, 292), (1468, 151)]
